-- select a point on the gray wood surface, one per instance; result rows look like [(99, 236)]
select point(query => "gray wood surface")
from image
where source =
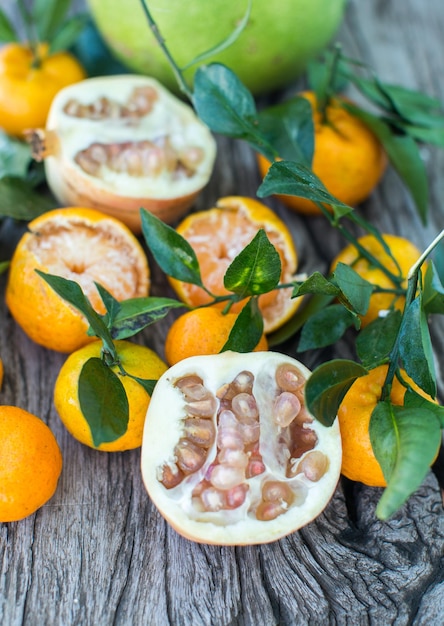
[(99, 553)]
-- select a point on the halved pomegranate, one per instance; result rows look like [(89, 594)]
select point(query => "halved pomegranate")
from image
[(119, 143), (230, 454)]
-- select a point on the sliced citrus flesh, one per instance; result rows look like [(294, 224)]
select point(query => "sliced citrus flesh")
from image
[(218, 235), (82, 245), (230, 453)]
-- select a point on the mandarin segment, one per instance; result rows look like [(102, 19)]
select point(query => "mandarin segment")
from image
[(82, 245), (218, 235), (256, 477)]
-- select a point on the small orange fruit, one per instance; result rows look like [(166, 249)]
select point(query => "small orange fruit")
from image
[(30, 466), (28, 85), (348, 158), (136, 360), (218, 235), (201, 331), (358, 460), (83, 245), (404, 252)]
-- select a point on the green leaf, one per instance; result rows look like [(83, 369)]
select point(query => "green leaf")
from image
[(296, 179), (426, 135), (48, 16), (433, 291), (327, 386), (19, 200), (404, 156), (135, 314), (375, 342), (223, 103), (103, 402), (326, 76), (412, 399), (247, 329), (255, 270), (172, 252), (288, 127), (69, 33), (308, 307), (414, 106), (112, 305), (405, 441), (415, 347), (3, 266), (356, 289), (316, 283), (146, 383), (325, 327), (7, 30), (71, 291), (228, 41), (15, 157)]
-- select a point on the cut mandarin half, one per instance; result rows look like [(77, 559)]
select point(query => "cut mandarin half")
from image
[(119, 143), (82, 245), (230, 453), (218, 235)]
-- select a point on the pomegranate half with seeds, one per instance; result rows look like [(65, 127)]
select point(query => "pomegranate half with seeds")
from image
[(119, 143), (230, 453)]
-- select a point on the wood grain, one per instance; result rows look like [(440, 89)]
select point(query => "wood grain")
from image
[(100, 554)]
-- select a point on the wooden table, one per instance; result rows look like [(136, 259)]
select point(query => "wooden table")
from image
[(99, 553)]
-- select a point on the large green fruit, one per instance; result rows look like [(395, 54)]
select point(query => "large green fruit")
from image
[(281, 36)]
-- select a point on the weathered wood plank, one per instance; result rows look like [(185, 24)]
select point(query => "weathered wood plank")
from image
[(99, 552)]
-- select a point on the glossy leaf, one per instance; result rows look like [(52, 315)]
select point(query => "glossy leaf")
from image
[(135, 314), (247, 329), (296, 179), (19, 200), (412, 399), (103, 401), (375, 342), (71, 291), (356, 289), (147, 383), (426, 135), (172, 252), (256, 269), (15, 157), (316, 283), (414, 106), (325, 327), (404, 155), (49, 15), (415, 347), (289, 128), (405, 441), (433, 291), (308, 307), (68, 33), (327, 386)]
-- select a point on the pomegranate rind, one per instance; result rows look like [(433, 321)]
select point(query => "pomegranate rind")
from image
[(120, 194), (164, 427)]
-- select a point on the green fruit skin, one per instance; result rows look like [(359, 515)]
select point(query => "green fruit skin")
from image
[(273, 49)]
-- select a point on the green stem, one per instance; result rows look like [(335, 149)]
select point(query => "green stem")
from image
[(161, 41)]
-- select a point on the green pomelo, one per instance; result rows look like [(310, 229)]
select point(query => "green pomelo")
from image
[(273, 49)]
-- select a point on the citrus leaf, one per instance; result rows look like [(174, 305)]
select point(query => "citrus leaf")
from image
[(15, 157), (415, 347), (327, 386), (48, 16), (356, 289), (71, 291), (103, 401), (7, 30), (414, 106), (308, 307), (135, 314), (316, 283), (19, 200), (325, 327), (228, 41), (433, 291), (147, 383), (405, 441), (404, 156), (256, 269), (412, 399), (247, 329), (375, 342), (296, 179), (3, 266), (69, 33), (289, 128), (223, 102), (172, 252), (112, 305), (426, 135)]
